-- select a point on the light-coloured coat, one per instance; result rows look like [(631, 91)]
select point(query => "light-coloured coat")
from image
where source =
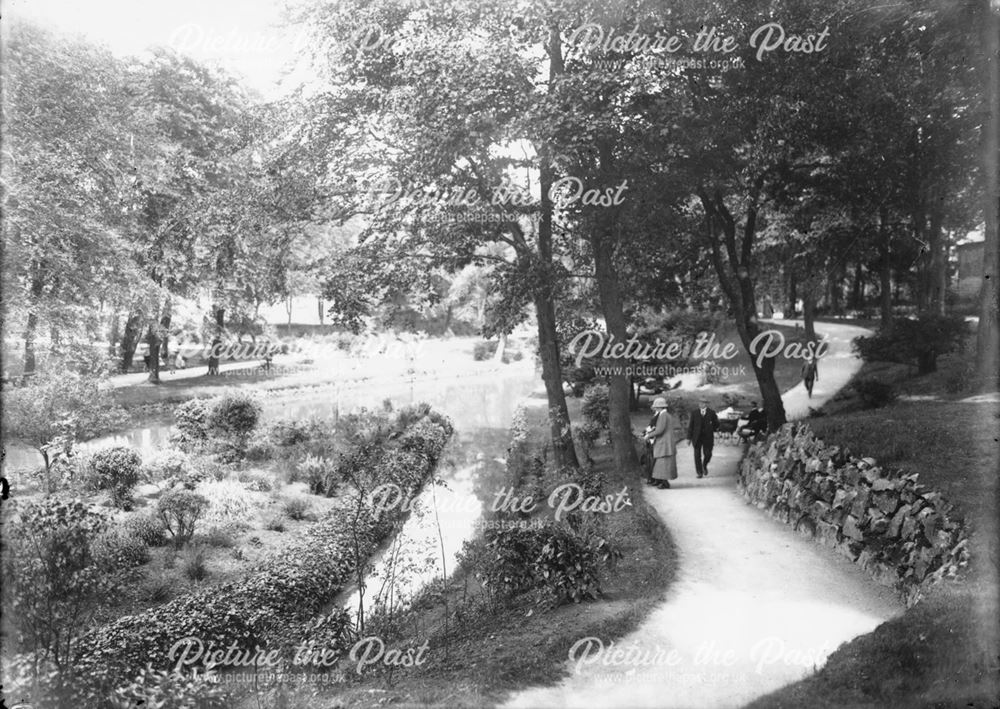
[(663, 435)]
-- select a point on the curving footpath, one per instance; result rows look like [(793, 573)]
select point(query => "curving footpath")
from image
[(754, 606)]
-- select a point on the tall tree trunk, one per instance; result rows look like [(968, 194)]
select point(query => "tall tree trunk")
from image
[(153, 340), (548, 349), (548, 340), (213, 356), (31, 326), (319, 309), (735, 273), (114, 332), (792, 296), (130, 340), (885, 271), (988, 337), (938, 266), (858, 287), (30, 331), (619, 385), (809, 312)]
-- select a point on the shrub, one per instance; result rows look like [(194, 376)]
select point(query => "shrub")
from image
[(191, 420), (874, 393), (165, 464), (255, 481), (917, 341), (219, 537), (229, 502), (275, 523), (552, 560), (259, 450), (287, 432), (116, 470), (320, 474), (595, 405), (233, 416), (119, 549), (56, 409), (170, 690), (180, 510), (146, 528), (296, 508), (193, 563), (55, 574), (484, 350), (587, 433)]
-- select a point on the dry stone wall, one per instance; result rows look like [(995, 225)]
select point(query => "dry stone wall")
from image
[(905, 535)]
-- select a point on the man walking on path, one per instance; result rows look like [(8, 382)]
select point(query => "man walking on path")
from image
[(810, 374), (701, 434)]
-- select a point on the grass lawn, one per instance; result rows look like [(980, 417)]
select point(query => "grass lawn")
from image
[(943, 652)]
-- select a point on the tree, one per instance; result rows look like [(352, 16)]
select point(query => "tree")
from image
[(68, 176), (988, 338), (57, 409)]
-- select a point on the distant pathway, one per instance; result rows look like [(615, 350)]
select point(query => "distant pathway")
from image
[(754, 606)]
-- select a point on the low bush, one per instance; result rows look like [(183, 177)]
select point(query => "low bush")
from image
[(219, 537), (917, 341), (179, 511), (275, 523), (874, 394), (255, 481), (233, 416), (116, 469), (118, 548), (287, 432), (319, 474), (595, 405), (296, 508), (191, 421), (146, 528), (170, 690), (553, 561), (587, 432), (193, 563), (484, 350), (229, 502), (165, 464)]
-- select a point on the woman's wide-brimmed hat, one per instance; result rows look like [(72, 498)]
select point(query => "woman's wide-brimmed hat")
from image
[(659, 403)]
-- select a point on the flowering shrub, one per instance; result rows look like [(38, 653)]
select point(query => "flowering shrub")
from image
[(116, 470)]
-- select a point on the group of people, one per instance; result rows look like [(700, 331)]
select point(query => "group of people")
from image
[(702, 425)]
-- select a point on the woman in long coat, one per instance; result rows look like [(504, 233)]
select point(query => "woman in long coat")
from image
[(664, 448)]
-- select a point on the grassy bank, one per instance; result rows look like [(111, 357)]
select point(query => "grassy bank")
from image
[(943, 652), (479, 650)]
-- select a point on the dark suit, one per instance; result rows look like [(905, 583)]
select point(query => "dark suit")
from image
[(701, 433)]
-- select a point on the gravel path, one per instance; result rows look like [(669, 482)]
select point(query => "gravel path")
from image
[(754, 606)]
